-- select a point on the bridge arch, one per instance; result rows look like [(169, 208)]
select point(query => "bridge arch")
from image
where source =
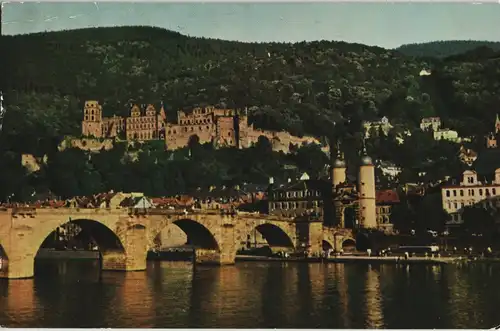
[(186, 231), (274, 235), (327, 245), (198, 235), (105, 238), (349, 244)]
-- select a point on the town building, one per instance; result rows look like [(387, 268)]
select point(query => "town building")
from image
[(467, 155), (446, 134), (470, 191), (430, 123), (302, 198), (385, 201), (383, 124)]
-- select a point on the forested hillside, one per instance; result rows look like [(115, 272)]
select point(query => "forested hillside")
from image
[(304, 88), (442, 49)]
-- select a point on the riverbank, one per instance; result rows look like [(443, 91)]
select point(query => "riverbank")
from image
[(355, 259), (48, 254)]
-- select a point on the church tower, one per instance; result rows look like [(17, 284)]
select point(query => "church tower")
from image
[(92, 119), (366, 189), (338, 175)]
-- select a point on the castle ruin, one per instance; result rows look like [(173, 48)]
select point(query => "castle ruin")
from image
[(221, 127)]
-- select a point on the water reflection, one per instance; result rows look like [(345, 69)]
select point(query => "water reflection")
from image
[(374, 313), (254, 295)]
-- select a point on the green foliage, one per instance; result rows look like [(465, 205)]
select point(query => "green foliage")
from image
[(322, 88), (442, 49)]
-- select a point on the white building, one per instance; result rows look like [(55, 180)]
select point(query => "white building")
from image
[(430, 123), (446, 134), (383, 124), (469, 192)]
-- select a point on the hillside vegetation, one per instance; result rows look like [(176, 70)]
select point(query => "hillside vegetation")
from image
[(442, 49), (321, 88)]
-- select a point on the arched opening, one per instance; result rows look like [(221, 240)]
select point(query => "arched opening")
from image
[(3, 259), (266, 239), (197, 234), (326, 245), (349, 245), (362, 242), (81, 239), (178, 241)]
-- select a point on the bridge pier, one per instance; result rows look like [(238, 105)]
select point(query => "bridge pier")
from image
[(120, 261), (214, 257), (18, 266)]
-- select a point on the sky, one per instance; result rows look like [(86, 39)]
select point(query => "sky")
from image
[(383, 24)]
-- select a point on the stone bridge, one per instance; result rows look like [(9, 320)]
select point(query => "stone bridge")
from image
[(124, 236)]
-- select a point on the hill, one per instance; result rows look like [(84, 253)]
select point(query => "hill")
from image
[(442, 49), (305, 88)]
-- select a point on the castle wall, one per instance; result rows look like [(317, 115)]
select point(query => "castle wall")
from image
[(226, 133), (177, 136)]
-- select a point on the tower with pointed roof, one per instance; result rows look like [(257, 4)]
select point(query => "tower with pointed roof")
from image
[(338, 174), (366, 190)]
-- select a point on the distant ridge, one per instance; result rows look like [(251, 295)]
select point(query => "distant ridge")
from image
[(442, 49)]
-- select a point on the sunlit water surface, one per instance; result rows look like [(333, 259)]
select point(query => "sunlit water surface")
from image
[(254, 295)]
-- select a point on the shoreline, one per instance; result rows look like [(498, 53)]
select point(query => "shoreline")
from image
[(94, 255)]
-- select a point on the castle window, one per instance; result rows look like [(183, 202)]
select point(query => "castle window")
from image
[(86, 117), (454, 193), (487, 192), (185, 129), (480, 191), (208, 127), (200, 128), (494, 191), (455, 205), (447, 193), (91, 118), (461, 193)]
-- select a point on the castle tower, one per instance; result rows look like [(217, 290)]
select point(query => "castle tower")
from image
[(366, 190), (135, 111), (338, 175), (92, 119)]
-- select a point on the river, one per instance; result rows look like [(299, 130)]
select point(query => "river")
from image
[(254, 295)]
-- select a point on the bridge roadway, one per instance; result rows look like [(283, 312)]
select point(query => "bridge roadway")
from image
[(124, 236)]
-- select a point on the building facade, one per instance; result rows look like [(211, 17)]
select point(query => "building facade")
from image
[(430, 123), (221, 127), (470, 191), (144, 123)]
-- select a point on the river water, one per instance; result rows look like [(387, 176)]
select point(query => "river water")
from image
[(254, 295)]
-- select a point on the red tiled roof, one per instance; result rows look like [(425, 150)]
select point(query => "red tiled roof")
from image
[(387, 196)]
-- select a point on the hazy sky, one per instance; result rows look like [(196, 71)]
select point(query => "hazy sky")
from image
[(384, 24)]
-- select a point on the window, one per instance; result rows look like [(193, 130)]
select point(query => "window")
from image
[(487, 192), (470, 180), (447, 193), (461, 193), (494, 191), (455, 205), (454, 193), (480, 191)]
